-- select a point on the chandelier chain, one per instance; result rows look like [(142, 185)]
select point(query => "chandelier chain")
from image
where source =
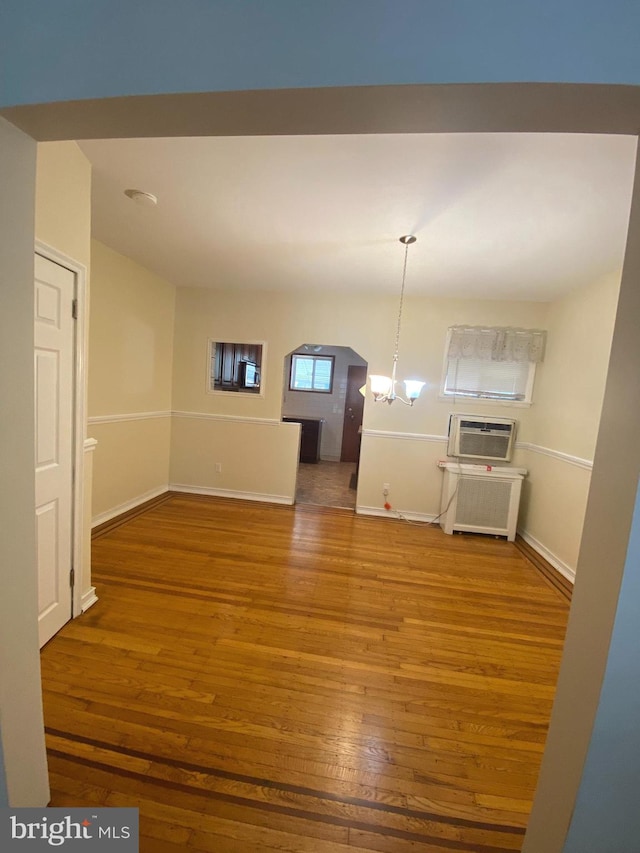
[(404, 276), (384, 387)]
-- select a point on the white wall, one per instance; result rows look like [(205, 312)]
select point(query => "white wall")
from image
[(564, 420), (130, 370), (570, 381), (21, 718), (63, 200)]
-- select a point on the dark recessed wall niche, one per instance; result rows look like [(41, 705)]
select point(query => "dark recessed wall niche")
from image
[(235, 367)]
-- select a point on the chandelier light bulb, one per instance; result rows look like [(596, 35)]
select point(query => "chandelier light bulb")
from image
[(380, 385), (413, 387)]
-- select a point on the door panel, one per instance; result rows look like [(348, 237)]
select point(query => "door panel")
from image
[(353, 414), (47, 526), (54, 404), (47, 380)]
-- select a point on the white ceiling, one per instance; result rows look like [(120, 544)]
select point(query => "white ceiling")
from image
[(519, 216)]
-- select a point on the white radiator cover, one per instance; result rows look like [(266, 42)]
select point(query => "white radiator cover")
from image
[(481, 499)]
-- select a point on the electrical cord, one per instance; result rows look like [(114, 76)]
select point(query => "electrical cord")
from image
[(450, 501), (433, 521)]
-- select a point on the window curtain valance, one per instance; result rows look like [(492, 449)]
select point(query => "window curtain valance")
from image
[(497, 343)]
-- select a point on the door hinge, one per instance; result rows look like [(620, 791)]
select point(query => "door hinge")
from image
[(72, 578), (74, 309)]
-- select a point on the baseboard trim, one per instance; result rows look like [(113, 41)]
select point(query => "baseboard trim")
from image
[(396, 515), (230, 493), (107, 521), (88, 599), (557, 573)]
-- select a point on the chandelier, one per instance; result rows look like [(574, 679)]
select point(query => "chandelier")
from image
[(383, 388)]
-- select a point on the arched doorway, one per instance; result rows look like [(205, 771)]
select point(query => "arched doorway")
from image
[(320, 391)]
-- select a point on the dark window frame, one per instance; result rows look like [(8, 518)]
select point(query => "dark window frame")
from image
[(313, 358)]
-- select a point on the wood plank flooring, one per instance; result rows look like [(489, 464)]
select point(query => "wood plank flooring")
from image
[(260, 678)]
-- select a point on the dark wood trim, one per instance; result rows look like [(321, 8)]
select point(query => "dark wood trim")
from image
[(289, 811), (261, 782), (550, 574), (130, 514)]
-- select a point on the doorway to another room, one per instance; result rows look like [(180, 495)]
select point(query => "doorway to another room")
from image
[(321, 392)]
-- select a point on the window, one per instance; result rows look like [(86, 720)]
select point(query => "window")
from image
[(311, 373), (235, 367), (510, 381), (492, 363)]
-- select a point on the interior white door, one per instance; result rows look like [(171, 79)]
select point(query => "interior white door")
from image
[(54, 406)]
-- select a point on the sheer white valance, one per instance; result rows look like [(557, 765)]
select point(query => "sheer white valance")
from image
[(497, 343)]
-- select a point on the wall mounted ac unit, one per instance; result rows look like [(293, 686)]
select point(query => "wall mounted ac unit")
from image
[(473, 437), (480, 499)]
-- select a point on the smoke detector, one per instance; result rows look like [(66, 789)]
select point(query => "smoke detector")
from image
[(142, 198)]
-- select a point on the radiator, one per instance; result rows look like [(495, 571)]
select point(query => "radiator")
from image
[(477, 499)]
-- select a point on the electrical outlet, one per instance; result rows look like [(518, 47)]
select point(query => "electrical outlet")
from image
[(218, 467), (386, 488)]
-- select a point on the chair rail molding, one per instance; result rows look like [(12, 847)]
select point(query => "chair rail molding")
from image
[(129, 416), (578, 461)]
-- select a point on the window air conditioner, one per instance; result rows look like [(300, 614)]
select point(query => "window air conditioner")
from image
[(472, 437)]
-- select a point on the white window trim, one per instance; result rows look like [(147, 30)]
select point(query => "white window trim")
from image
[(211, 342), (492, 401)]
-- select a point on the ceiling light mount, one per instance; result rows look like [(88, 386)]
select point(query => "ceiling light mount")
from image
[(383, 388), (142, 198)]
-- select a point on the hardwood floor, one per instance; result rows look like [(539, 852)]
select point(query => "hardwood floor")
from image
[(261, 678)]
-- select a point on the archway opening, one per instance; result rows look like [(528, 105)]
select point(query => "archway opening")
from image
[(321, 391)]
